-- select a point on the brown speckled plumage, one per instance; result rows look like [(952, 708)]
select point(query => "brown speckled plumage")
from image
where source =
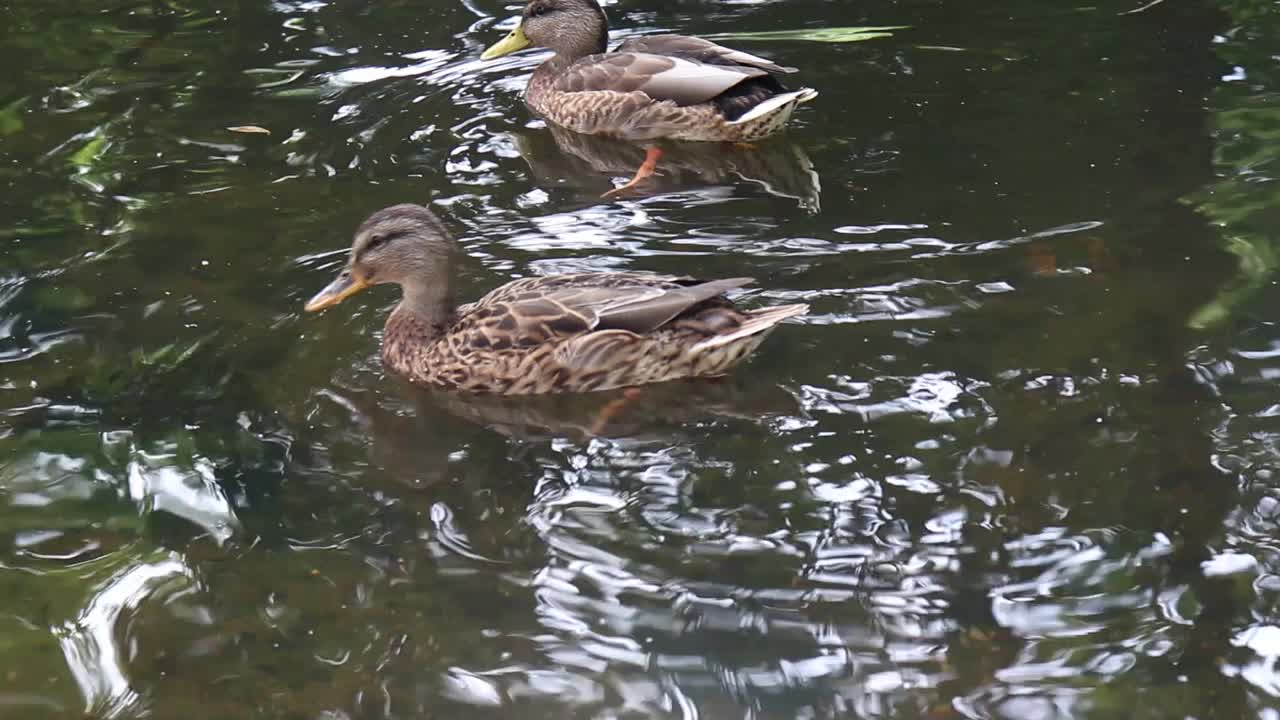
[(651, 87), (561, 333)]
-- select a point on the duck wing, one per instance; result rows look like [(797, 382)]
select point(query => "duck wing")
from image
[(552, 310), (681, 80), (542, 285), (642, 310), (695, 48)]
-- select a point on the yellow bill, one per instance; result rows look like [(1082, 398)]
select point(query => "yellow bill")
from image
[(342, 287), (514, 41)]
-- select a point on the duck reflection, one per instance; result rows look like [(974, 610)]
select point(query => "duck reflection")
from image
[(403, 426), (588, 163), (464, 523), (629, 412)]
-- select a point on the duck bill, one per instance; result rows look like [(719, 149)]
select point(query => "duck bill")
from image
[(342, 287), (513, 42)]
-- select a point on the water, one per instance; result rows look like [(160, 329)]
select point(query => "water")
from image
[(1020, 462)]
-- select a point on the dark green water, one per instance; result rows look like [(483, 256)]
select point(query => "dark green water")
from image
[(1020, 462)]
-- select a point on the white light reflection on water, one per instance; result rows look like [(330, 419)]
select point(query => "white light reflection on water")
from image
[(669, 636), (191, 493), (97, 641)]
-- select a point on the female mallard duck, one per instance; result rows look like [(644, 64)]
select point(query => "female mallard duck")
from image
[(560, 333), (658, 86)]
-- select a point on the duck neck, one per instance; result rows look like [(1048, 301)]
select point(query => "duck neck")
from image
[(576, 49), (546, 73), (430, 305), (423, 315), (570, 49)]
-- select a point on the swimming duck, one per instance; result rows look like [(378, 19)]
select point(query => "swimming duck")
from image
[(558, 333), (652, 87)]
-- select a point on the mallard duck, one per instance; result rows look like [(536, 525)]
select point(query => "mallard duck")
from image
[(648, 88), (559, 333)]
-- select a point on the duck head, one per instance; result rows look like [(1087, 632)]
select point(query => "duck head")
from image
[(571, 28), (403, 244)]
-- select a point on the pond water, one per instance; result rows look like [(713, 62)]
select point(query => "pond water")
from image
[(1019, 462)]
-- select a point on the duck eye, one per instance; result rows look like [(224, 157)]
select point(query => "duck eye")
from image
[(378, 241), (539, 10)]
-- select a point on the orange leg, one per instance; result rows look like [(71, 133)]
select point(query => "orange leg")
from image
[(1041, 259), (611, 410), (1099, 257), (651, 156)]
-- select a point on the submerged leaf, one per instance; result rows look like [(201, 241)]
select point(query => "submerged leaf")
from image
[(85, 156), (827, 35), (1258, 258), (11, 117)]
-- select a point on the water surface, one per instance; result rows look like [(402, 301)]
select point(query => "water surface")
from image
[(1019, 462)]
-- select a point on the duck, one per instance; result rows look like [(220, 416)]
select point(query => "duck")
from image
[(575, 332), (649, 88)]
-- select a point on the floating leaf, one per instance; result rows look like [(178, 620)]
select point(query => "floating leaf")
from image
[(299, 92), (249, 129), (1144, 8), (827, 35)]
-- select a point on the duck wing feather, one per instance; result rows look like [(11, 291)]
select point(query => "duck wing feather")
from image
[(703, 51), (649, 308), (545, 314), (681, 80)]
